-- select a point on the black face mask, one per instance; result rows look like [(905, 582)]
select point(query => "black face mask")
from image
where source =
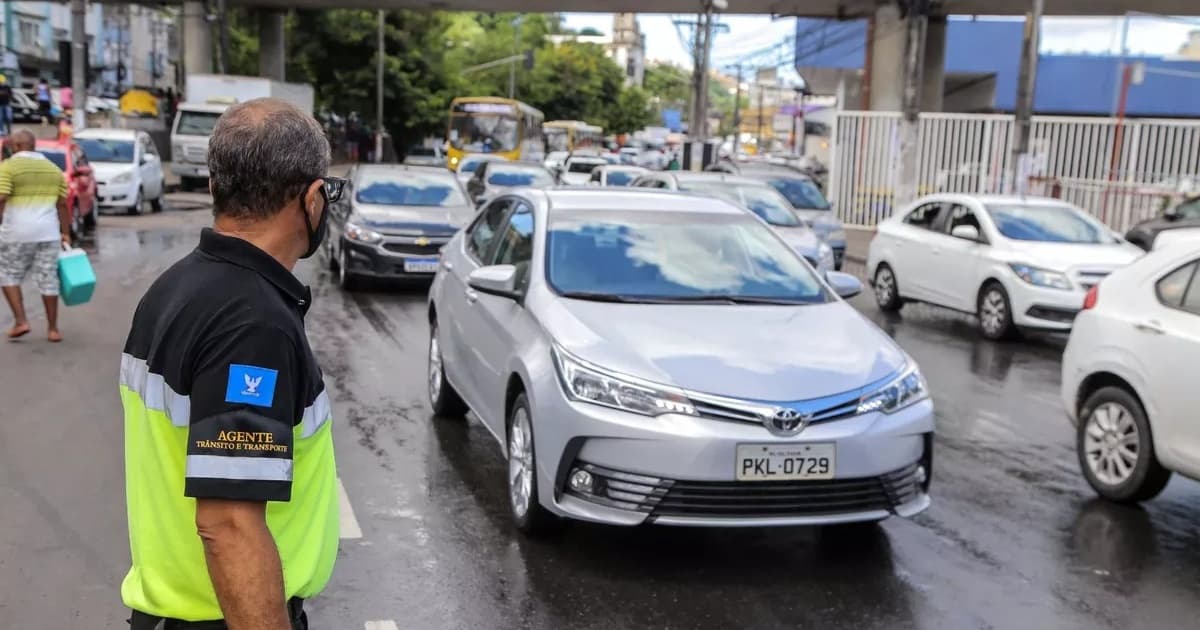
[(317, 236)]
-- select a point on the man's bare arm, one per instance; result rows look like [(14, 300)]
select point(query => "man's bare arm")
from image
[(243, 563), (64, 219)]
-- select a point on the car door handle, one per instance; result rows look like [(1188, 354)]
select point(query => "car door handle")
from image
[(1151, 326), (472, 296)]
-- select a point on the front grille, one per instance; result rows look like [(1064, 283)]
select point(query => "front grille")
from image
[(195, 154), (751, 499), (412, 249), (823, 409), (1053, 313)]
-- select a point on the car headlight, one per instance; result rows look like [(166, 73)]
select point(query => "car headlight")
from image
[(588, 383), (901, 392), (123, 178), (1041, 277), (361, 234)]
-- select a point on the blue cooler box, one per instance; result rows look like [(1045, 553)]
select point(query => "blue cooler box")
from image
[(76, 277)]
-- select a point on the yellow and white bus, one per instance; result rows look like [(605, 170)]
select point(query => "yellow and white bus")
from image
[(494, 126), (573, 135)]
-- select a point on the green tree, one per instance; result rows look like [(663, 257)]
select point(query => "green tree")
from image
[(669, 86), (631, 112)]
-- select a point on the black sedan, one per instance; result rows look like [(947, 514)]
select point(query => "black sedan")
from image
[(1182, 215)]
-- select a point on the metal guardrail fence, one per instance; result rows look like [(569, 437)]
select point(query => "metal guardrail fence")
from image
[(1117, 170)]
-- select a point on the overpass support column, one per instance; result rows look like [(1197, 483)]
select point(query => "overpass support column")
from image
[(887, 60), (934, 72), (272, 47), (197, 39)]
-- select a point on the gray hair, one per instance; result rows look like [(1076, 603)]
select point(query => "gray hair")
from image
[(263, 154)]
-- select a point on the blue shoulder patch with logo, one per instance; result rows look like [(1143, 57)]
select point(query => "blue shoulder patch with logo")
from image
[(250, 385)]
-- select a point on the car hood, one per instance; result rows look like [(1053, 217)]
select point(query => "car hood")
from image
[(765, 353), (1065, 257), (431, 220), (104, 171), (801, 239), (576, 178)]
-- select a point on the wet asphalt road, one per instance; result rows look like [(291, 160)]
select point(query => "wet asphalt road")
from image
[(1014, 538)]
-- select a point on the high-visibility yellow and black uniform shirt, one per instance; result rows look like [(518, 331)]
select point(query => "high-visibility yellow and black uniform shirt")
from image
[(224, 399)]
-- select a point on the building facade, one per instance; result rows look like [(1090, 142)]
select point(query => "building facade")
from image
[(626, 46)]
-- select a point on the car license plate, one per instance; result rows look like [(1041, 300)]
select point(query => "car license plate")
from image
[(421, 265), (772, 462)]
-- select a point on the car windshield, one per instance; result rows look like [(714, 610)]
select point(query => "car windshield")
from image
[(58, 157), (105, 150), (408, 189), (583, 166), (196, 123), (801, 193), (761, 200), (1046, 223), (483, 134), (530, 176), (620, 178), (1189, 209), (674, 256)]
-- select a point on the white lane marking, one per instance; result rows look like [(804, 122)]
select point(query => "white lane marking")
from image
[(349, 524), (382, 625)]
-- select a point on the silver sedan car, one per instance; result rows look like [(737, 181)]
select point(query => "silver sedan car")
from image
[(651, 358)]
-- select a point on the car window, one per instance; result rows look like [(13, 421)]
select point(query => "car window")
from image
[(516, 243), (1189, 209), (148, 146), (801, 193), (1179, 286), (512, 177), (924, 215), (1048, 223), (486, 229), (961, 215), (595, 176), (582, 166)]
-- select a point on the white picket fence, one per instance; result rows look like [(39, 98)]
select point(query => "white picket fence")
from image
[(1117, 173)]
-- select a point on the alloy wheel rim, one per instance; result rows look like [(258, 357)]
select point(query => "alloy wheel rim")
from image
[(884, 285), (992, 311), (520, 463), (435, 366), (1111, 443)]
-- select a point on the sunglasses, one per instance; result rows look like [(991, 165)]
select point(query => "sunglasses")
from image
[(333, 188)]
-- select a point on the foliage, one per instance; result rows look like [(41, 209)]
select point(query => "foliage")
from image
[(670, 86)]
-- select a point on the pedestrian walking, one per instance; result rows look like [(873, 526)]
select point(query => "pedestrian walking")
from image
[(43, 99), (225, 408), (6, 113), (35, 224)]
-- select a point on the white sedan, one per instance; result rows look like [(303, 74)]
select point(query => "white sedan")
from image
[(1126, 377), (1013, 262), (127, 168)]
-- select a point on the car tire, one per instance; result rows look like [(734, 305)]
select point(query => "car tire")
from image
[(1112, 429), (887, 290), (346, 279), (993, 312), (528, 514), (156, 205), (443, 398), (137, 205), (331, 260)]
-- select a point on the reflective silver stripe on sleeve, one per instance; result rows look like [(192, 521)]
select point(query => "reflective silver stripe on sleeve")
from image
[(239, 468), (154, 391), (316, 415)]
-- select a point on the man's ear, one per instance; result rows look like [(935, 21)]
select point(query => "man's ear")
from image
[(313, 199)]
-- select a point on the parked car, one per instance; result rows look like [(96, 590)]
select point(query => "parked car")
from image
[(757, 197), (555, 159), (616, 175), (126, 166), (577, 170), (1185, 214), (807, 199), (1127, 380), (425, 156), (493, 178), (1015, 262), (578, 326), (466, 168), (392, 221), (81, 185)]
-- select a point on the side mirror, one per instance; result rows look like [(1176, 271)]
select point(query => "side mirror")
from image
[(844, 284), (499, 280), (966, 232)]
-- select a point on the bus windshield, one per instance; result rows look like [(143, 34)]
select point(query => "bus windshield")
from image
[(483, 134), (556, 139)]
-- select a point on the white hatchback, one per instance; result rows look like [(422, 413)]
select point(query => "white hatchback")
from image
[(127, 168), (1014, 262), (1127, 380)]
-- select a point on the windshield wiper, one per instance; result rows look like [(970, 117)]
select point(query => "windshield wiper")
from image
[(595, 296), (729, 299)]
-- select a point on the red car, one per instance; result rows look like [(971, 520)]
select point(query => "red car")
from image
[(81, 185)]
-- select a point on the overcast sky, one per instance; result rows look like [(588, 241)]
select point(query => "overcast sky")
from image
[(1149, 35)]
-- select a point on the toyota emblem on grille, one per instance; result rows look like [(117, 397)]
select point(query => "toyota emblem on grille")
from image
[(786, 422)]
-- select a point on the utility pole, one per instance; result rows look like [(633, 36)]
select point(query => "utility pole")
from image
[(914, 61), (512, 68), (379, 94), (78, 64), (737, 114), (759, 129), (222, 38), (1018, 168)]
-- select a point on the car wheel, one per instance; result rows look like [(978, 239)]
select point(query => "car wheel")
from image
[(1116, 448), (330, 258), (443, 397), (156, 205), (528, 514), (137, 205), (346, 280), (994, 313), (887, 291)]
